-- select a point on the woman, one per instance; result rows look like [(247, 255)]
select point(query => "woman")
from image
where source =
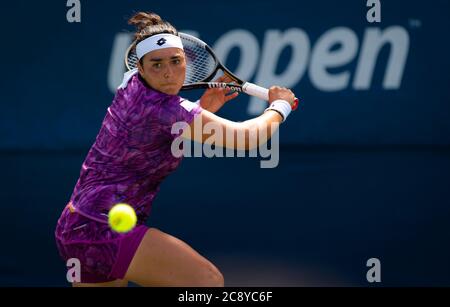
[(130, 158)]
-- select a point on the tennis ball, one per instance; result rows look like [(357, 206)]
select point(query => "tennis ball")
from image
[(122, 218)]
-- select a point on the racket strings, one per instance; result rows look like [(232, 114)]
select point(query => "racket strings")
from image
[(200, 63), (132, 59)]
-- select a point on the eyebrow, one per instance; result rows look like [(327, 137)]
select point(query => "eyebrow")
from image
[(160, 60)]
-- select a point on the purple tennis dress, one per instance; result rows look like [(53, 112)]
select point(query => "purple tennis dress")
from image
[(130, 158)]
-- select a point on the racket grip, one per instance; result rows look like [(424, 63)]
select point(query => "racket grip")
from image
[(262, 93), (256, 90)]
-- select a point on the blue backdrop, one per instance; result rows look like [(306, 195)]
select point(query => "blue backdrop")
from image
[(364, 162)]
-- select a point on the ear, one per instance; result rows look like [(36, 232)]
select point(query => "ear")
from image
[(140, 68)]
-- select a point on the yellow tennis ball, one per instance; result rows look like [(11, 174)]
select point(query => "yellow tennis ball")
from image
[(122, 218)]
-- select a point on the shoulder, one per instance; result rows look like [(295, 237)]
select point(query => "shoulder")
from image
[(137, 99)]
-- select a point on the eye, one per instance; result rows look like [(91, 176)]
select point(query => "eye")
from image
[(176, 61), (156, 65)]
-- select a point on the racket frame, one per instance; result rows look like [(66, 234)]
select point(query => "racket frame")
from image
[(238, 85)]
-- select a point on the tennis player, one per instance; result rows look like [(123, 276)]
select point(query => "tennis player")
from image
[(130, 158)]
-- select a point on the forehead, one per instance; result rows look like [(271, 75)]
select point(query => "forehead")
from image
[(165, 53)]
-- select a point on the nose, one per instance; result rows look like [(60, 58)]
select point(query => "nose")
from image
[(168, 72)]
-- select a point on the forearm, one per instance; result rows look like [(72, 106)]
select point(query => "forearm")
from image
[(259, 130), (247, 135)]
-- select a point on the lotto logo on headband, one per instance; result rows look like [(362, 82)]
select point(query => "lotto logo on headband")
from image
[(161, 42)]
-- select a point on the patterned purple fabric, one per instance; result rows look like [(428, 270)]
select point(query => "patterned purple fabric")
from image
[(104, 255), (132, 152), (127, 163)]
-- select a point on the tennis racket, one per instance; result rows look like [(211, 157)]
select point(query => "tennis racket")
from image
[(201, 67)]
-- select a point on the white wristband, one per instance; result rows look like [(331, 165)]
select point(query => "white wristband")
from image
[(281, 106)]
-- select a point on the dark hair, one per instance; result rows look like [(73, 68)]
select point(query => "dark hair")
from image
[(148, 24)]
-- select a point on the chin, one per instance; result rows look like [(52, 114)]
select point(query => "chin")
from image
[(171, 91)]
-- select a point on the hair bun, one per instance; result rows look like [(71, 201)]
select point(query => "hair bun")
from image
[(142, 20)]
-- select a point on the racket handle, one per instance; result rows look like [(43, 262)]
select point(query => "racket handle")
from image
[(256, 90), (262, 93)]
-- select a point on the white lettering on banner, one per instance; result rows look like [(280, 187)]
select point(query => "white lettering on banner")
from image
[(261, 62), (323, 59), (398, 39), (274, 43)]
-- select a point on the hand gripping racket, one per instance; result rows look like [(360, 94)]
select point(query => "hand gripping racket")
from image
[(201, 67)]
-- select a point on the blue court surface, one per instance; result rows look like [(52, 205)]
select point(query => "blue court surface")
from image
[(339, 208)]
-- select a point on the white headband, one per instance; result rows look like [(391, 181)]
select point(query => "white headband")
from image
[(156, 42)]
